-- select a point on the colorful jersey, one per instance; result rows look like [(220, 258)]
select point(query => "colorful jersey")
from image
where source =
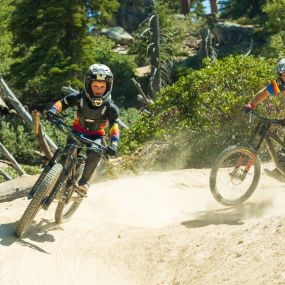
[(276, 86), (90, 120)]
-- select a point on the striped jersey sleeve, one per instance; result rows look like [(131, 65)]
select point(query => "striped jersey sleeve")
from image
[(275, 87), (113, 124), (114, 132), (68, 101)]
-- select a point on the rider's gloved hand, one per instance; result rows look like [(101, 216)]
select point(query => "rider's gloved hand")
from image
[(112, 149), (249, 107), (50, 115)]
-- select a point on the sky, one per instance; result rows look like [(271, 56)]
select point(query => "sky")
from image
[(207, 6)]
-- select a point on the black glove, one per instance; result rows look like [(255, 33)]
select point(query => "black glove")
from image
[(50, 116), (112, 149), (249, 107)]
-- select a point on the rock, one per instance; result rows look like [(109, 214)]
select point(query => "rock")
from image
[(121, 49), (229, 33), (143, 71), (118, 35)]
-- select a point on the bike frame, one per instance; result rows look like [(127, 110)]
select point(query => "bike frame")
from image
[(262, 134), (69, 157)]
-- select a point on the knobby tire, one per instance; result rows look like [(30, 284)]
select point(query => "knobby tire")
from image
[(44, 188), (214, 172)]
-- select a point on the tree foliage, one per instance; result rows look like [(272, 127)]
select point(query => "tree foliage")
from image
[(242, 8), (276, 17), (6, 36), (49, 41)]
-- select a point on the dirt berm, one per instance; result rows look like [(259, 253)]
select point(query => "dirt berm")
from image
[(160, 228)]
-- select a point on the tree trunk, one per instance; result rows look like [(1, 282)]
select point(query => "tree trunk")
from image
[(214, 6), (184, 5), (10, 157)]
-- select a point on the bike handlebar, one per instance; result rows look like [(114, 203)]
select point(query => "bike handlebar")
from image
[(267, 120), (59, 123)]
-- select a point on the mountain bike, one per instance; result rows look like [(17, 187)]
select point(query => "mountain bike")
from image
[(58, 181), (236, 172)]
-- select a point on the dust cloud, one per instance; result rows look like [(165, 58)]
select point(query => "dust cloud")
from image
[(154, 229)]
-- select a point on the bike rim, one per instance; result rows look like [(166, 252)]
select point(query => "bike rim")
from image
[(235, 175)]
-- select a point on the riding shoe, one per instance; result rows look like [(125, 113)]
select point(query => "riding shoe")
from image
[(275, 173)]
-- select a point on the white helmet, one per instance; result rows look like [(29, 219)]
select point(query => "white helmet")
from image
[(280, 68), (98, 72)]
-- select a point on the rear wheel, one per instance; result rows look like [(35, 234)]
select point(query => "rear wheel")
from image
[(67, 207), (43, 190), (235, 175)]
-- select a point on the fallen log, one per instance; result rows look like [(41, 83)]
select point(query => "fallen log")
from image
[(17, 188)]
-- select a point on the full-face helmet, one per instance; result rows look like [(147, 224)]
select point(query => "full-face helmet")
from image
[(280, 68), (98, 72)]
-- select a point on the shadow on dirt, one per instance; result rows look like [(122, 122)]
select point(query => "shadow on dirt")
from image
[(37, 232), (231, 215)]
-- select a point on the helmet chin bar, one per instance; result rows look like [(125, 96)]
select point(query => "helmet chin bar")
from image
[(97, 102)]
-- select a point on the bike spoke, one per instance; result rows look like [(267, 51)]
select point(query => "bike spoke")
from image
[(235, 175)]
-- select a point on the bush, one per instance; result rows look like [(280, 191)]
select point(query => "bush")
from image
[(202, 112), (19, 140)]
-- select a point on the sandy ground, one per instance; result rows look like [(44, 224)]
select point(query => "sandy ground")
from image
[(157, 229)]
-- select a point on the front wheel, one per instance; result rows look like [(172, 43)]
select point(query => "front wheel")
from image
[(235, 175), (43, 190)]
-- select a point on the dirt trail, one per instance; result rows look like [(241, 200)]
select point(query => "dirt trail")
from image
[(157, 229)]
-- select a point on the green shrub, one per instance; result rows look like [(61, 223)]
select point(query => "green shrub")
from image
[(202, 112), (19, 140)]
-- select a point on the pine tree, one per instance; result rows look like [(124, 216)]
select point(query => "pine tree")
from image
[(6, 36), (50, 38), (276, 17), (242, 8)]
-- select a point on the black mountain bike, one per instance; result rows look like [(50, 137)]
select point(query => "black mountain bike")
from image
[(236, 172), (59, 180)]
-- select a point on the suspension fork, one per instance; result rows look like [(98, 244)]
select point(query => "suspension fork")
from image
[(71, 160), (258, 136), (250, 162)]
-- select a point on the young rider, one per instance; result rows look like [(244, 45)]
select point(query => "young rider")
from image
[(95, 111), (276, 87)]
